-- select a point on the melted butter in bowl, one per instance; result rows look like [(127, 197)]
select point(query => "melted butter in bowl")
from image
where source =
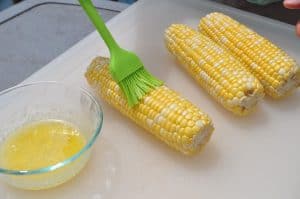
[(40, 144), (46, 134)]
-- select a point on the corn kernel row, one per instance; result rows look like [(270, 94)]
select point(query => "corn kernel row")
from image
[(278, 72), (165, 114), (215, 69)]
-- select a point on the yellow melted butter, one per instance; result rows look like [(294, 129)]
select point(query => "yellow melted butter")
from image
[(40, 144)]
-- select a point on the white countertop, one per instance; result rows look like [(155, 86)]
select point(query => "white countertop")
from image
[(248, 157)]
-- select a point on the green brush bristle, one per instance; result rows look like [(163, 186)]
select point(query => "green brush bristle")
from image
[(138, 84), (125, 67)]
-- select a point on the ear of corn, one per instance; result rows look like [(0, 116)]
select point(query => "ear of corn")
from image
[(278, 73), (162, 111), (215, 69)]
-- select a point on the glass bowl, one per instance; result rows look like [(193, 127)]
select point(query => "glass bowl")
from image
[(43, 101)]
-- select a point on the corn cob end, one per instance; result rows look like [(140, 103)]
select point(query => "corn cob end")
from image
[(274, 68), (215, 69), (289, 84), (169, 117)]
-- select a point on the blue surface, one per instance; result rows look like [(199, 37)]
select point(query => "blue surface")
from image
[(263, 2), (5, 4), (127, 1)]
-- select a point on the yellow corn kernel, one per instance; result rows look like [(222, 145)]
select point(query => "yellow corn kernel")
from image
[(278, 73), (161, 111), (215, 69)]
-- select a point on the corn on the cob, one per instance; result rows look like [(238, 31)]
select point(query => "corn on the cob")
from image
[(215, 69), (278, 73), (162, 111)]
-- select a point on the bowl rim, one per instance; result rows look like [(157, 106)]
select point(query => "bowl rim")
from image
[(72, 158)]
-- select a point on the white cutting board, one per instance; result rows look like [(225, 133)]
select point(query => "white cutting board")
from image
[(250, 157)]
